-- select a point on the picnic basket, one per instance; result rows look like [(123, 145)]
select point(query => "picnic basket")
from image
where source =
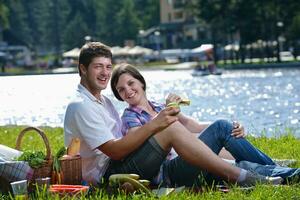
[(46, 169), (71, 169)]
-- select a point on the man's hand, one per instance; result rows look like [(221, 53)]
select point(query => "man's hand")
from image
[(238, 130), (165, 117)]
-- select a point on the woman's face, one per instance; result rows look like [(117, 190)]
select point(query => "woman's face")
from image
[(130, 89)]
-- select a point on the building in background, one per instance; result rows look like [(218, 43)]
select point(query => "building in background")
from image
[(177, 29)]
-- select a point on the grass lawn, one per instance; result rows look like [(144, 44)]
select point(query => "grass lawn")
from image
[(282, 147)]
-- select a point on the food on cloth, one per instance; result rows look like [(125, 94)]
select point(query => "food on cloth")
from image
[(132, 179)]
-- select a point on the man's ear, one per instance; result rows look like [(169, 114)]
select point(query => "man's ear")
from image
[(82, 69)]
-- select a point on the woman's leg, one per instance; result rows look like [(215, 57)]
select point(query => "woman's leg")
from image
[(195, 152), (218, 135), (177, 172), (289, 174)]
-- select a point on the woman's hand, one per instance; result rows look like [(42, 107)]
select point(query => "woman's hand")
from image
[(173, 98), (238, 130)]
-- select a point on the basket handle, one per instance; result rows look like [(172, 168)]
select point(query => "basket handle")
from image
[(41, 133)]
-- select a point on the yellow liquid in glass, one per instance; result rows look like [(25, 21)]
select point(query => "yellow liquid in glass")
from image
[(21, 197)]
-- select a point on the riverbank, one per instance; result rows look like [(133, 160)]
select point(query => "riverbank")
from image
[(192, 65), (160, 66), (262, 65)]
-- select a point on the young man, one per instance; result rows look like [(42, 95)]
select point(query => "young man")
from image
[(92, 118)]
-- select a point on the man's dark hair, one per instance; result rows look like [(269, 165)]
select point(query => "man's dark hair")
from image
[(125, 69), (91, 50)]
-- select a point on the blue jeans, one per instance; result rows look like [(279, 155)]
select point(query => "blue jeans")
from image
[(289, 174), (178, 172)]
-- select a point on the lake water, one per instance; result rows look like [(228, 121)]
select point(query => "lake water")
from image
[(264, 101)]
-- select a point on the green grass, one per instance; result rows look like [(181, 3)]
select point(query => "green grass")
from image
[(286, 146)]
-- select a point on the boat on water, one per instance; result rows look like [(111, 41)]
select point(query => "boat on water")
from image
[(205, 71)]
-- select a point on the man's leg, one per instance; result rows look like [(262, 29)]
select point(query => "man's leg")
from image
[(225, 154), (145, 161), (218, 135)]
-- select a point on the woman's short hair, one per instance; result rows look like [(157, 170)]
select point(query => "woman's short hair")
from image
[(125, 68), (91, 50)]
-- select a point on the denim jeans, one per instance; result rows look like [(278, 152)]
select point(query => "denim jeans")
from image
[(289, 174), (177, 172)]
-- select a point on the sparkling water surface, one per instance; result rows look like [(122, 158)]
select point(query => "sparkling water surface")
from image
[(264, 101)]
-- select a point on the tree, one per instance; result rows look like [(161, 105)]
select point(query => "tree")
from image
[(252, 22), (217, 14), (127, 21), (4, 23), (46, 25), (105, 27), (148, 12), (75, 32), (54, 26), (293, 34), (17, 17)]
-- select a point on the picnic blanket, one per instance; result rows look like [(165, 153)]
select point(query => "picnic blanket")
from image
[(15, 171), (11, 170)]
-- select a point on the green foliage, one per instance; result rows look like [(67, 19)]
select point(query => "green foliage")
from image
[(35, 159), (56, 163), (257, 21), (17, 20), (75, 32), (3, 15), (127, 17), (56, 26), (148, 12), (61, 151), (294, 29)]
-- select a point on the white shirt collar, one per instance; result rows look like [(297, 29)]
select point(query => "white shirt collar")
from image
[(86, 92)]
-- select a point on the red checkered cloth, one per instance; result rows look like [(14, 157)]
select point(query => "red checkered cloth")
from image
[(15, 171)]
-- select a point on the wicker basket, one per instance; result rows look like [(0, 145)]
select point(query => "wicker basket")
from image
[(46, 169), (71, 169)]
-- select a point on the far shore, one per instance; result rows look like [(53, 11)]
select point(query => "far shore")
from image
[(176, 66)]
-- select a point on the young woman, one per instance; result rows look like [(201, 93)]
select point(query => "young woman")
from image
[(129, 85)]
